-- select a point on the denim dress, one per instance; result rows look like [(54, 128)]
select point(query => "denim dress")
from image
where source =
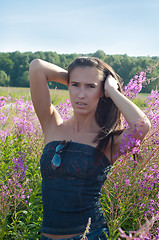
[(71, 192)]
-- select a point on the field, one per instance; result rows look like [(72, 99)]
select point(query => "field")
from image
[(57, 95), (130, 196)]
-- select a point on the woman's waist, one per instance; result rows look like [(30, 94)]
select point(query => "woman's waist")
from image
[(91, 234), (60, 237)]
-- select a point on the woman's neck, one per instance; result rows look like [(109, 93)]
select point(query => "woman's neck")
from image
[(82, 124)]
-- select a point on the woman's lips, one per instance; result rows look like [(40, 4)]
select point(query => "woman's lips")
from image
[(81, 104)]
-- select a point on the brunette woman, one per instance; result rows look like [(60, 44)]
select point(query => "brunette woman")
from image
[(80, 151)]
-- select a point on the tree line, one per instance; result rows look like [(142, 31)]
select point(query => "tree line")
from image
[(14, 66)]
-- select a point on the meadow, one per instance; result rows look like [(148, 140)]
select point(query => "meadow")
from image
[(130, 196), (57, 95)]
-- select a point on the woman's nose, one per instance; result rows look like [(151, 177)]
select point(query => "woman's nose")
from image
[(81, 93)]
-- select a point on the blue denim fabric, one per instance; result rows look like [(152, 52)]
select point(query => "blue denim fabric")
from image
[(94, 235), (71, 192)]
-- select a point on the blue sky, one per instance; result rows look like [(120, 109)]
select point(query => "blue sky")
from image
[(80, 26)]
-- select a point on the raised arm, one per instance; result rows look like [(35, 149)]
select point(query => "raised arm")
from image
[(134, 116), (40, 73)]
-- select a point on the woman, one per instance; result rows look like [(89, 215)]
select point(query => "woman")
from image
[(79, 152)]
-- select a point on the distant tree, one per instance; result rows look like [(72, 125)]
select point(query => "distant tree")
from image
[(63, 61), (21, 64), (40, 55), (4, 81), (24, 80), (6, 64), (99, 54)]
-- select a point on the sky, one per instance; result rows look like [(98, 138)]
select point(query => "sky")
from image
[(80, 26)]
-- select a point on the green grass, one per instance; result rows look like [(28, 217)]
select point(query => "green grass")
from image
[(140, 100), (57, 95)]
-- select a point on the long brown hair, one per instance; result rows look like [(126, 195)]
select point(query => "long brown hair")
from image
[(107, 115)]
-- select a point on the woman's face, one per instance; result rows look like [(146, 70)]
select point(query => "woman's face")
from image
[(85, 89)]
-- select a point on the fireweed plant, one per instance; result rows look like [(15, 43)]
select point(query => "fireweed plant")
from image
[(130, 196), (20, 197)]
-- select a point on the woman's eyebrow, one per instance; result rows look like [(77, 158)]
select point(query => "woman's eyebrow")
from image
[(74, 81), (91, 84), (88, 84)]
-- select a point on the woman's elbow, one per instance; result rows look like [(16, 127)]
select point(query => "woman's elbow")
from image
[(34, 65), (145, 127)]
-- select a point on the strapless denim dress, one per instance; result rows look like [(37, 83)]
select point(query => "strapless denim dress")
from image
[(71, 192)]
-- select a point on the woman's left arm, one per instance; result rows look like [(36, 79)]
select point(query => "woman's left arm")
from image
[(134, 116)]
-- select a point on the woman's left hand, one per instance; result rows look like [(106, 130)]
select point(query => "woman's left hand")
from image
[(110, 84)]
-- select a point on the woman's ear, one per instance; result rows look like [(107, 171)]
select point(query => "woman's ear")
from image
[(101, 93)]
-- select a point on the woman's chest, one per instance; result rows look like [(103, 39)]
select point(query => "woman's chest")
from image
[(78, 162), (63, 132)]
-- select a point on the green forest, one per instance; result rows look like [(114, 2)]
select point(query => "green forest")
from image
[(14, 67)]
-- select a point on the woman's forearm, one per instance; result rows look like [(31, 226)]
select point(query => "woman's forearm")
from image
[(131, 112), (51, 71)]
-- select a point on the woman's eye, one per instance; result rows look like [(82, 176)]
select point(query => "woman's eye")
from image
[(91, 86), (75, 84)]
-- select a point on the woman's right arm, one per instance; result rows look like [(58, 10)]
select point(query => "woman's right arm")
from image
[(40, 73)]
